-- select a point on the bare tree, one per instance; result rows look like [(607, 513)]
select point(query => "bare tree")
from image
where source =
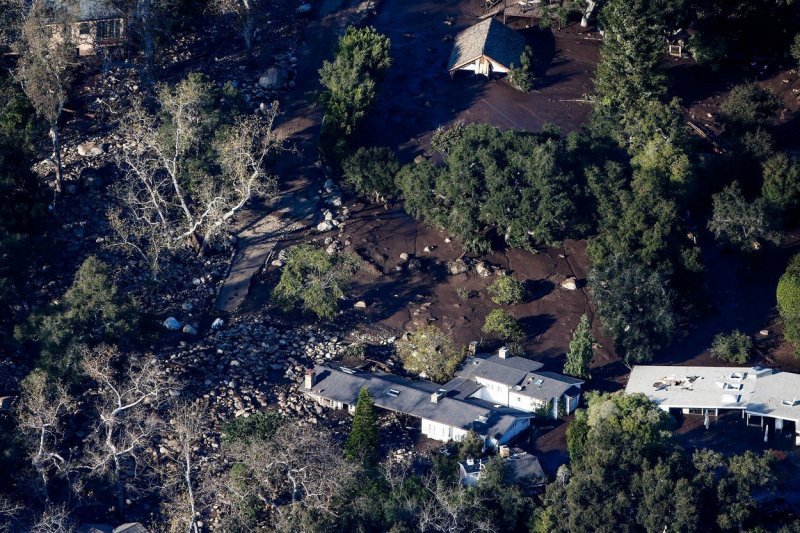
[(9, 509), (246, 11), (188, 422), (300, 467), (126, 405), (160, 211), (54, 519), (449, 508), (41, 410), (46, 50)]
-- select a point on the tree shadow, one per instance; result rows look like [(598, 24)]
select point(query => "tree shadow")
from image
[(537, 324)]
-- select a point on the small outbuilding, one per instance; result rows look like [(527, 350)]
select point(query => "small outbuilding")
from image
[(486, 48)]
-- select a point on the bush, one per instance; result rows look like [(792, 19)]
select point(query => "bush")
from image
[(707, 50), (256, 427), (734, 347), (431, 352), (506, 290), (92, 311), (781, 187), (788, 294), (522, 78), (580, 352), (795, 50), (501, 323), (315, 280), (749, 106), (371, 172)]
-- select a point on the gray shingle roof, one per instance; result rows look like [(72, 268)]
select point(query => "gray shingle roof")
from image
[(414, 398), (489, 38), (509, 371), (545, 385), (93, 9)]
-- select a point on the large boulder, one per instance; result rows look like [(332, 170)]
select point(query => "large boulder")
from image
[(273, 78), (570, 283), (89, 149), (457, 267), (172, 324)]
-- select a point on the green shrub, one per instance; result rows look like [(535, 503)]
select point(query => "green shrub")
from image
[(580, 351), (741, 224), (501, 323), (256, 427), (521, 78), (431, 352), (506, 290), (795, 50), (371, 172), (781, 187), (315, 280), (749, 106), (788, 294), (734, 347), (707, 50)]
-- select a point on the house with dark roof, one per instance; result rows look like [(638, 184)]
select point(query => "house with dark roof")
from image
[(523, 469), (448, 412), (487, 47), (97, 24)]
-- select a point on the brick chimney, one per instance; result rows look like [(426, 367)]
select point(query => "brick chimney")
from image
[(311, 378), (438, 395), (502, 353)]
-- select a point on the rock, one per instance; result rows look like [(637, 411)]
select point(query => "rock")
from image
[(172, 324), (89, 149), (447, 240), (273, 78), (457, 267), (217, 324), (403, 257), (187, 306), (332, 248), (764, 333), (325, 225), (361, 304), (569, 283), (190, 329), (483, 270), (327, 214), (414, 264), (304, 8)]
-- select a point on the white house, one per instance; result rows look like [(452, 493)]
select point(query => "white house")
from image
[(758, 392), (524, 469)]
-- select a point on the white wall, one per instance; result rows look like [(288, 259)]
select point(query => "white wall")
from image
[(516, 428), (436, 430), (492, 392)]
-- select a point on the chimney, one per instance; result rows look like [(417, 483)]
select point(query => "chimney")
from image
[(502, 353), (311, 378), (505, 451), (436, 396), (473, 347), (470, 461)]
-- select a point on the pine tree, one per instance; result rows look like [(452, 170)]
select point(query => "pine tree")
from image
[(580, 350), (362, 442)]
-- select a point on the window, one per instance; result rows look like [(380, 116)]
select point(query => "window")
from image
[(108, 30), (84, 28)]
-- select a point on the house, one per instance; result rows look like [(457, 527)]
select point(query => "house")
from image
[(98, 24), (523, 469), (487, 47), (761, 393), (448, 412), (517, 382)]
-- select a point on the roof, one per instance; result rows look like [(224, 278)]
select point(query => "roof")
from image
[(130, 527), (414, 398), (94, 9), (777, 395), (489, 38), (523, 467), (546, 385), (508, 371), (696, 386)]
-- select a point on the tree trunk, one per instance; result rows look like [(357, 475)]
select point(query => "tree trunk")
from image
[(119, 487), (248, 32), (57, 157)]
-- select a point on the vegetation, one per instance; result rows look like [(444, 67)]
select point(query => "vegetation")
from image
[(734, 347), (258, 426), (788, 294), (521, 78), (580, 351), (430, 352), (501, 323), (506, 290), (781, 186), (362, 441), (371, 171), (795, 50), (350, 85), (314, 280), (91, 312), (525, 186), (749, 106), (740, 224)]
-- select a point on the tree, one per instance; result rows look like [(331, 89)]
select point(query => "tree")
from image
[(580, 351), (636, 306), (315, 280), (126, 405), (191, 169), (795, 49), (349, 81), (92, 311), (257, 426), (371, 172), (781, 186), (42, 408), (749, 106), (521, 78), (738, 223), (506, 290), (501, 323), (788, 295), (247, 13), (733, 347), (430, 352), (745, 474), (362, 441), (46, 55)]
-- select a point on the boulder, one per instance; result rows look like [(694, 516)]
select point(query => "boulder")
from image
[(403, 257), (325, 225), (569, 283), (304, 8), (89, 149), (457, 267), (217, 324), (361, 304), (273, 78), (190, 329), (483, 270), (172, 324)]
